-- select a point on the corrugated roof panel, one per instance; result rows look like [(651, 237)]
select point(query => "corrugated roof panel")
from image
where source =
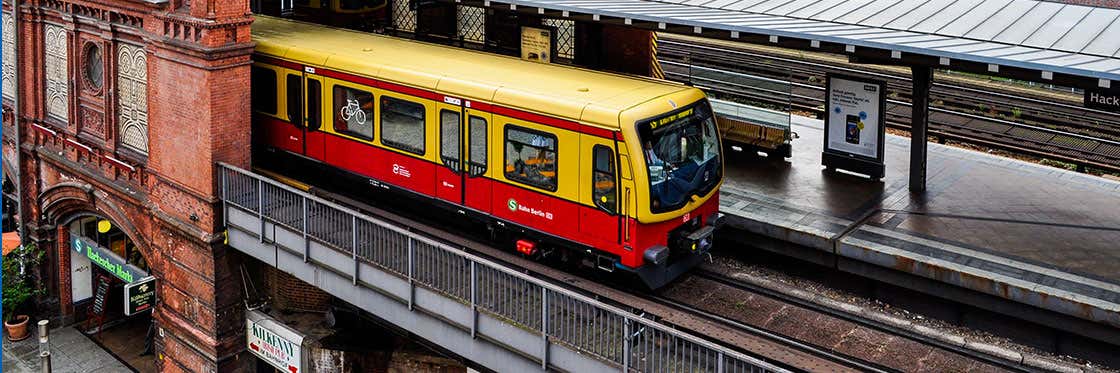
[(972, 17), (857, 11), (824, 26), (792, 6), (854, 11), (719, 3), (950, 14), (764, 6), (743, 4), (1089, 30), (891, 13), (1001, 20), (973, 48), (1070, 60), (1034, 55), (1059, 38), (814, 8), (946, 42), (1111, 64), (918, 15), (1062, 22), (1026, 25)]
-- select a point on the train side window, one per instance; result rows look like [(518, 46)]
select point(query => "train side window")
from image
[(531, 157), (478, 134), (449, 138), (264, 90), (353, 112), (402, 124), (314, 104), (602, 178), (295, 99)]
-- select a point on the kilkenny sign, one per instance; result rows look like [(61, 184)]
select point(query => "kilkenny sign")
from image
[(273, 342), (108, 260), (139, 296)]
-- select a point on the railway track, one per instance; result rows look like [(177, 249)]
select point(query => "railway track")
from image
[(773, 348), (740, 285), (1027, 125), (781, 350)]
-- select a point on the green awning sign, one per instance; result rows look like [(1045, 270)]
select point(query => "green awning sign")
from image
[(108, 260)]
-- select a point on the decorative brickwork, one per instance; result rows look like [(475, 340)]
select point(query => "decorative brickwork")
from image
[(58, 78), (140, 152), (132, 96), (9, 71)]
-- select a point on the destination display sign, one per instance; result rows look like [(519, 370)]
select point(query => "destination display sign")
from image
[(107, 259), (274, 342), (139, 296), (1107, 99)]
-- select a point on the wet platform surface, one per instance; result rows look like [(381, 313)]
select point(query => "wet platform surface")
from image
[(1030, 233)]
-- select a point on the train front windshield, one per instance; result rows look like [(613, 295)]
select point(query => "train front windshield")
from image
[(682, 154)]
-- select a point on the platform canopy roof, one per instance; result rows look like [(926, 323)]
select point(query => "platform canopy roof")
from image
[(1042, 36)]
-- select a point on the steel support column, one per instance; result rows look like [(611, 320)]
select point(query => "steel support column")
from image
[(919, 126)]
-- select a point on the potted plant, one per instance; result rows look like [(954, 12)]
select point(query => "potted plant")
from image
[(19, 288)]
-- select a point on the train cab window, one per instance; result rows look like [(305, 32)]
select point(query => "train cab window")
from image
[(314, 104), (449, 138), (295, 99), (264, 90), (478, 148), (353, 110), (531, 157), (602, 178), (402, 124)]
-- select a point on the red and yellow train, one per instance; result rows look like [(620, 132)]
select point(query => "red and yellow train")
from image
[(620, 170)]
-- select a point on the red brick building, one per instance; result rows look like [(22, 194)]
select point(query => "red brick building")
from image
[(124, 108)]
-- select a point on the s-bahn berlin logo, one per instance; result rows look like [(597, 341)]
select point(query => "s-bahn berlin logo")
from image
[(512, 204)]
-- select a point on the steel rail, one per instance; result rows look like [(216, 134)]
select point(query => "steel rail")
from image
[(863, 321), (663, 41), (1081, 156), (1071, 120), (851, 361)]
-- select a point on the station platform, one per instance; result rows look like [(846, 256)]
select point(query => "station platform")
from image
[(1028, 233)]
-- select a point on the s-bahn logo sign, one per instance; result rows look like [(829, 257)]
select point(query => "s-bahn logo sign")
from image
[(273, 342), (512, 204), (1103, 99)]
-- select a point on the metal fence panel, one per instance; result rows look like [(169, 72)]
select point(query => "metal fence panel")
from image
[(562, 317)]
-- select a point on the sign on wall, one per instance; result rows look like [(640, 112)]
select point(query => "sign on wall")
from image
[(139, 296), (854, 127), (274, 342), (105, 258), (1107, 99), (536, 44)]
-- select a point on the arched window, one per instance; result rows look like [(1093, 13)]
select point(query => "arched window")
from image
[(132, 97)]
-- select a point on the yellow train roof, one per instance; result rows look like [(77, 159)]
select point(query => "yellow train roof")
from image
[(575, 93)]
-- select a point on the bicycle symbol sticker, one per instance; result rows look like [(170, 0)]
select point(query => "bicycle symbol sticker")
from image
[(353, 110)]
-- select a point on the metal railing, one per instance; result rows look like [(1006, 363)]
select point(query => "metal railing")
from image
[(561, 317)]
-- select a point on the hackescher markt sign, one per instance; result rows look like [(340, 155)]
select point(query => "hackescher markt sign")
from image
[(108, 260)]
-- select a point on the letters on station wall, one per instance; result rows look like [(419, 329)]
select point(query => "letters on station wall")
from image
[(1103, 99)]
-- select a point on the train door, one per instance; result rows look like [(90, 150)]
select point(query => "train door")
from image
[(294, 132), (315, 140), (449, 177), (477, 192), (599, 222)]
